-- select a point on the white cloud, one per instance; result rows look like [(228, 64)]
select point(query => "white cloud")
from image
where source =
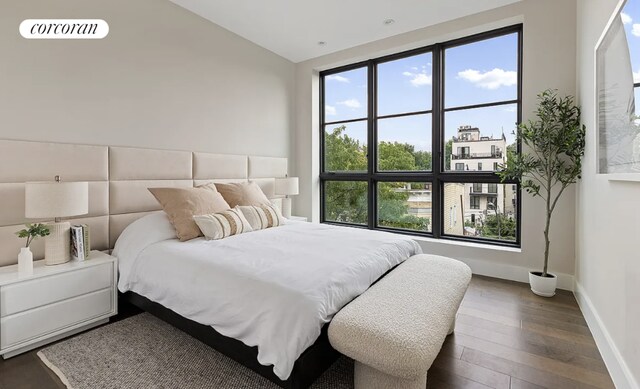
[(626, 19), (636, 77), (418, 79), (493, 79), (337, 78), (330, 110), (510, 109), (351, 103), (635, 30)]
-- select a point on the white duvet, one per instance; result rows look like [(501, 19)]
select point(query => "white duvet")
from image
[(273, 288)]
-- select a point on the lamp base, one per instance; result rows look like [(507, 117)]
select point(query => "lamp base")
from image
[(57, 245), (286, 207)]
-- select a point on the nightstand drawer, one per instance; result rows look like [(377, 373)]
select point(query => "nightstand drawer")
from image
[(35, 293), (44, 320)]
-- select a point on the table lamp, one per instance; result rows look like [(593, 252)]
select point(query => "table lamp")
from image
[(287, 186), (56, 199)]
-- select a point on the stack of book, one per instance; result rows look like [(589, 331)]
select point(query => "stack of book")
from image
[(80, 244)]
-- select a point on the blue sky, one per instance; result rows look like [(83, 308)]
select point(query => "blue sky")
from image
[(631, 18), (481, 72)]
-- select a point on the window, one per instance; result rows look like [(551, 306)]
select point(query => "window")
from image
[(385, 120), (463, 152)]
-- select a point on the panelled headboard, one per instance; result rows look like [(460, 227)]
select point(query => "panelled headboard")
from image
[(118, 181)]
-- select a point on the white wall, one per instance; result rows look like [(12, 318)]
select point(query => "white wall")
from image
[(162, 78), (549, 62), (608, 218)]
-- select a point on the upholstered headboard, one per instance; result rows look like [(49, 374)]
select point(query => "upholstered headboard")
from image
[(118, 181)]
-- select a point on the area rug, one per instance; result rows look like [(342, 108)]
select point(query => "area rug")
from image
[(145, 352)]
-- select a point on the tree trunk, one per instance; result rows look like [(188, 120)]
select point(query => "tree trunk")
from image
[(546, 233)]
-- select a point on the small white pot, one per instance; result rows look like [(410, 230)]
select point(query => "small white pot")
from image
[(543, 286), (25, 262)]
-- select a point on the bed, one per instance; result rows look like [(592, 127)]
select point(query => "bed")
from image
[(118, 180), (273, 290)]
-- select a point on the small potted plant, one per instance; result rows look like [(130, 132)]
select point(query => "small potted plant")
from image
[(551, 161), (25, 258)]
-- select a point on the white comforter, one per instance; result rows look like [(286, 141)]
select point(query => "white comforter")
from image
[(274, 288)]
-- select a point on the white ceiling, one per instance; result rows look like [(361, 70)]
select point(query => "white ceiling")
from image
[(293, 28)]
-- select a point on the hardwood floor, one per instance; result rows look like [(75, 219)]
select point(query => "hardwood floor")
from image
[(506, 337)]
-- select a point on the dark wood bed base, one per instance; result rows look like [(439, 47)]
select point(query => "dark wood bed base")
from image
[(309, 366)]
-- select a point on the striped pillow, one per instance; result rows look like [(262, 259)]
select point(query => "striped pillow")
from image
[(262, 216), (222, 224)]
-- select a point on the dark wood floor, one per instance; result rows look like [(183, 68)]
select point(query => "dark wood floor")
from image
[(505, 337)]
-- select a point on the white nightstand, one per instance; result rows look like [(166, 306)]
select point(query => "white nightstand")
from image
[(298, 218), (55, 302)]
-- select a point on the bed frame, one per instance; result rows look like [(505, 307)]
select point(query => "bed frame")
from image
[(308, 367)]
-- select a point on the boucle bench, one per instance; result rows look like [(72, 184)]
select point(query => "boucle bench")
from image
[(396, 328)]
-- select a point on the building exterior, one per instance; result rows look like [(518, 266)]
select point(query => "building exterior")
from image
[(454, 198), (473, 152), (419, 200)]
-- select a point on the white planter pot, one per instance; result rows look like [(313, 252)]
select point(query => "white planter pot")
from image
[(543, 286), (25, 262)]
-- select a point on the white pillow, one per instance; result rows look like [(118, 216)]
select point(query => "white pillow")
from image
[(222, 224), (138, 235), (262, 216)]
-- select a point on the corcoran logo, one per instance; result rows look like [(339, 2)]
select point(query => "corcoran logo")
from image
[(64, 28)]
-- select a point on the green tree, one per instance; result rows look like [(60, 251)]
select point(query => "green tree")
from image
[(346, 201), (423, 160), (395, 156), (344, 153), (499, 226), (448, 149)]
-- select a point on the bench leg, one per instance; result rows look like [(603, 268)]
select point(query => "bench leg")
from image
[(453, 326), (366, 377)]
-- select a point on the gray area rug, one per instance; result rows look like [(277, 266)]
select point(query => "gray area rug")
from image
[(145, 352)]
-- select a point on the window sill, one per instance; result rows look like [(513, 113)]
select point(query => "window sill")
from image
[(475, 245), (426, 239)]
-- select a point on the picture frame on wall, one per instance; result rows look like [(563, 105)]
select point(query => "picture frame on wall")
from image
[(617, 54)]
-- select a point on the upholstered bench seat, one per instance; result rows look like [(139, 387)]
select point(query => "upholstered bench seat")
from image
[(395, 330)]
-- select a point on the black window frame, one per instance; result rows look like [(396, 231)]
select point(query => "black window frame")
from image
[(438, 176)]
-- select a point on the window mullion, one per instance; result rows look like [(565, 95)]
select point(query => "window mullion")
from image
[(436, 144), (372, 141)]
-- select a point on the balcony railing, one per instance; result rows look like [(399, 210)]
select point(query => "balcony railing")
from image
[(478, 191), (497, 154)]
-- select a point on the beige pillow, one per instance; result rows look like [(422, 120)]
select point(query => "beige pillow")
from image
[(180, 204), (222, 224), (242, 193), (262, 216)]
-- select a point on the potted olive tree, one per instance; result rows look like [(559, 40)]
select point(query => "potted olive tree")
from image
[(551, 160)]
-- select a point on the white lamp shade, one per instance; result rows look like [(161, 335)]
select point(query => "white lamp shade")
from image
[(56, 199), (286, 186)]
